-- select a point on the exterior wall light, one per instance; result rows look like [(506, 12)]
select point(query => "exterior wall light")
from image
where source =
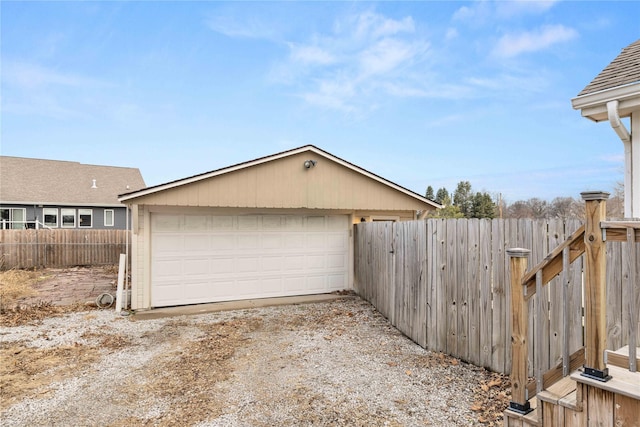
[(309, 164)]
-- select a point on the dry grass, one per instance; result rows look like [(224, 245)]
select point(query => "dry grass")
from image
[(16, 284)]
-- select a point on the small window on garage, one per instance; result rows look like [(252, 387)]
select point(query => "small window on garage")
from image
[(86, 218), (68, 218), (50, 217), (108, 218)]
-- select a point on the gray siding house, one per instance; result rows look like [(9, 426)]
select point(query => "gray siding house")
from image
[(37, 193)]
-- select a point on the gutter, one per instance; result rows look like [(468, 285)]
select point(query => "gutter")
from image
[(616, 124)]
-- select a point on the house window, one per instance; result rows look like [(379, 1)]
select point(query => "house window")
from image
[(13, 218), (50, 217), (108, 218), (86, 218), (68, 218)]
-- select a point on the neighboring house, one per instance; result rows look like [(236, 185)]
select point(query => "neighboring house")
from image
[(59, 194), (280, 225), (614, 94)]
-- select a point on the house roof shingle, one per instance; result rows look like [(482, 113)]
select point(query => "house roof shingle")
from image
[(623, 70), (40, 181)]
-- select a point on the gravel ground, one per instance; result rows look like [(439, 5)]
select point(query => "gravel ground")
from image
[(335, 363)]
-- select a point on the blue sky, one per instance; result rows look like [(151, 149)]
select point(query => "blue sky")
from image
[(421, 93)]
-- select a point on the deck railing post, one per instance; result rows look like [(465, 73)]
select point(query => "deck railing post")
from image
[(519, 332), (595, 295)]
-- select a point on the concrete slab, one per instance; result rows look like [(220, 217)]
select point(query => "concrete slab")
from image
[(157, 313)]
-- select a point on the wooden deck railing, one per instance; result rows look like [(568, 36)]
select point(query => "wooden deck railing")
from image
[(589, 241)]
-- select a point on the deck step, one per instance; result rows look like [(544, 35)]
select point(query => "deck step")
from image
[(620, 357), (562, 393), (622, 382)]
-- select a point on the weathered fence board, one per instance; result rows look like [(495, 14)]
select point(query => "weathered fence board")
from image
[(445, 284), (60, 248)]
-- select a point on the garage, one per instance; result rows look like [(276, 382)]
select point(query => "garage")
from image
[(211, 258), (279, 225)]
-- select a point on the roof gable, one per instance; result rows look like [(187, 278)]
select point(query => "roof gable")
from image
[(53, 182), (281, 180), (623, 70)]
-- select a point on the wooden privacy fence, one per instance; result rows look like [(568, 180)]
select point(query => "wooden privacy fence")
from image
[(446, 285), (60, 248)]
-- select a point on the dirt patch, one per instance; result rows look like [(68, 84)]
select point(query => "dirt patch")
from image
[(28, 372), (16, 285)]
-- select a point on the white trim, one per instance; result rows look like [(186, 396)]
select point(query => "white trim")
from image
[(113, 218), (62, 218), (307, 148), (594, 105), (80, 213), (44, 217), (11, 221), (65, 204)]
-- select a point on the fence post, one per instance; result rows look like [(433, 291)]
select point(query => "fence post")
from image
[(595, 287), (519, 332)]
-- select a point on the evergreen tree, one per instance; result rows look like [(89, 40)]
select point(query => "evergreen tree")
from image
[(463, 198), (441, 195), (483, 206), (448, 211), (429, 194)]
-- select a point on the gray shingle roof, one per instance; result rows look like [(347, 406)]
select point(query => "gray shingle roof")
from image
[(42, 181), (623, 70)]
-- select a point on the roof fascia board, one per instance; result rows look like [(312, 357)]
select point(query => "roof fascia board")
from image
[(620, 93), (598, 113), (52, 204), (162, 187)]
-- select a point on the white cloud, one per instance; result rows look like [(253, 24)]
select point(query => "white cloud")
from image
[(358, 60), (251, 28), (511, 45), (508, 9), (311, 55), (483, 10), (29, 76), (371, 25), (386, 55)]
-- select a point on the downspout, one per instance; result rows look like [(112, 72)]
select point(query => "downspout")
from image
[(616, 124), (625, 136)]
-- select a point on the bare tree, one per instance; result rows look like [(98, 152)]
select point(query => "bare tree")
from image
[(615, 204)]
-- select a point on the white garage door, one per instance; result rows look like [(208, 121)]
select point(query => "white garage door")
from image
[(208, 258)]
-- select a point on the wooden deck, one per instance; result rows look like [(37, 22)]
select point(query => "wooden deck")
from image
[(577, 401), (610, 395)]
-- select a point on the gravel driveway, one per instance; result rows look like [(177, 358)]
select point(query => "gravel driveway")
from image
[(334, 363)]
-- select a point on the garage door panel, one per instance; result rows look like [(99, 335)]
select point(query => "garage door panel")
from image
[(222, 223), (196, 267), (202, 258), (272, 241), (315, 262), (336, 261), (248, 265), (195, 223), (224, 266), (196, 291), (315, 223), (272, 263), (222, 242), (168, 268), (248, 241), (336, 241), (196, 242), (168, 243), (167, 222)]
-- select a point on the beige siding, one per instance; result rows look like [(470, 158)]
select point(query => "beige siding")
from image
[(138, 263), (285, 183)]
